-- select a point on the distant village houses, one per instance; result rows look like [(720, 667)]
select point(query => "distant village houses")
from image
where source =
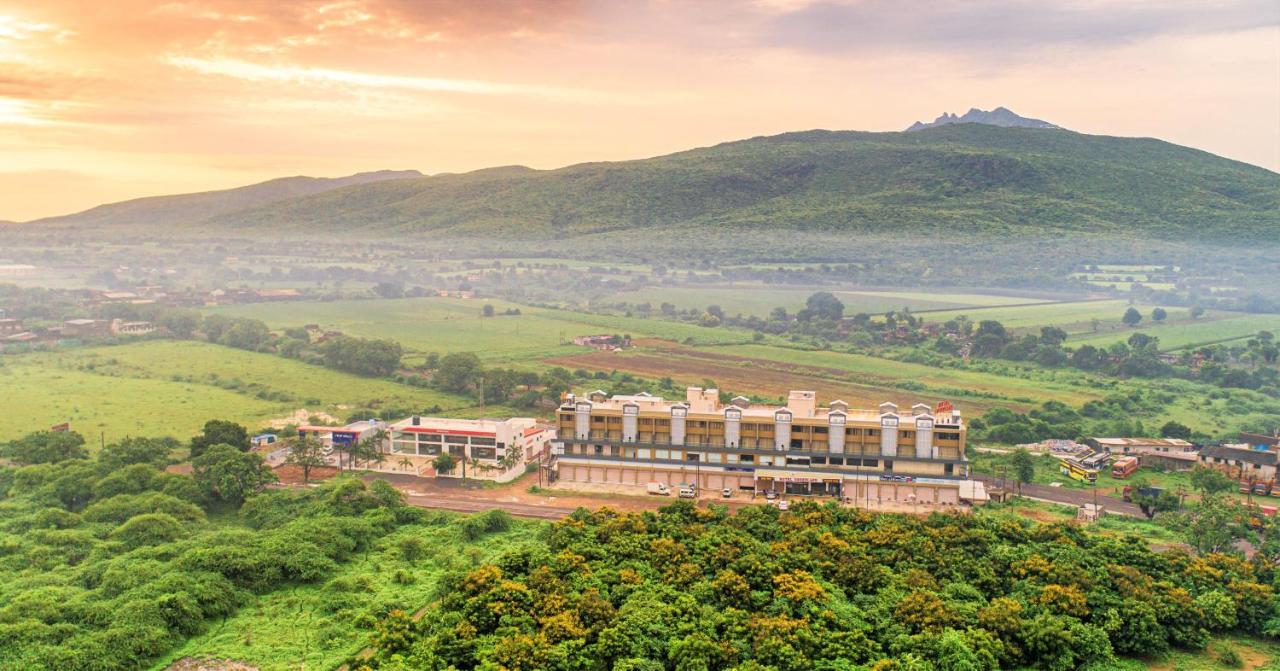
[(604, 342)]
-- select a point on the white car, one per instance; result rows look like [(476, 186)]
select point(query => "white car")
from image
[(783, 505)]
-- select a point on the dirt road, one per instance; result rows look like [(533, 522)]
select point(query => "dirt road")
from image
[(1073, 497)]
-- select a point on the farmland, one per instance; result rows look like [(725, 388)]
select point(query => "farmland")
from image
[(759, 299), (1214, 327), (455, 325), (166, 387), (1073, 317)]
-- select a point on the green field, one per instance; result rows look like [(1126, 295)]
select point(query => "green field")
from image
[(173, 387), (1213, 327), (456, 325), (753, 299), (1073, 317)]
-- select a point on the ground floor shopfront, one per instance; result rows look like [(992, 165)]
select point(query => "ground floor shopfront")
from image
[(846, 486)]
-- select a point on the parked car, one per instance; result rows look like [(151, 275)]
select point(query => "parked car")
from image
[(688, 493), (783, 505), (726, 493), (770, 495)]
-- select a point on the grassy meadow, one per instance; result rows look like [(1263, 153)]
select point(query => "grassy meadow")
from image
[(173, 387)]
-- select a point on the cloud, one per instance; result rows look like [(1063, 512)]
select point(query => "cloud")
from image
[(310, 76), (1001, 26)]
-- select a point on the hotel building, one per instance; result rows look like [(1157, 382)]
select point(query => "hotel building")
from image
[(885, 454)]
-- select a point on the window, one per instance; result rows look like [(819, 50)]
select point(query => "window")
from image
[(598, 449), (836, 461), (483, 441), (950, 469), (818, 460), (747, 458), (820, 430), (888, 466), (797, 444), (483, 452), (429, 438), (429, 450), (597, 420)]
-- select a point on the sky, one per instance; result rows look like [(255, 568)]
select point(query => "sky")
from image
[(105, 101)]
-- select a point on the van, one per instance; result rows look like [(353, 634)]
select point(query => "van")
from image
[(688, 493)]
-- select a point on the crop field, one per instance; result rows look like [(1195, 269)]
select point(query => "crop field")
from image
[(318, 626), (1073, 317), (860, 380), (760, 299), (1213, 327), (172, 388), (455, 325)]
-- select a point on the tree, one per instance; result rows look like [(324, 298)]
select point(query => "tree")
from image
[(362, 356), (1215, 525), (220, 432), (1024, 467), (46, 447), (129, 451), (1197, 312), (1209, 481), (444, 463), (1131, 317), (487, 310), (1172, 429), (824, 304), (458, 372), (1052, 335), (225, 473), (1158, 315), (306, 453)]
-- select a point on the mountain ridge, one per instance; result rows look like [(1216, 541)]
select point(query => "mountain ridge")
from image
[(954, 179), (1000, 116), (198, 206)]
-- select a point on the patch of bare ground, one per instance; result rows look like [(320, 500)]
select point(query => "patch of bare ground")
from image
[(193, 664)]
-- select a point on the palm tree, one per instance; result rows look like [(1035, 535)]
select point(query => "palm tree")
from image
[(406, 463)]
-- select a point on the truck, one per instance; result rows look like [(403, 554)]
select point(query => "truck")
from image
[(1124, 467), (658, 489), (1152, 492)]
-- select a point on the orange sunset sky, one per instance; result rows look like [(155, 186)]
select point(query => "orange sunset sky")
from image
[(103, 101)]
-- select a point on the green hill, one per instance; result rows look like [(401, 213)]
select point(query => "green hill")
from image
[(959, 180), (196, 207)]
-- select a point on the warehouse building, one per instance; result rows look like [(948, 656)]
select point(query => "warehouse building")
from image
[(881, 454)]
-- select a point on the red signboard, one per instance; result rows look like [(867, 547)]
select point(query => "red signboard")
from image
[(60, 428), (943, 408)]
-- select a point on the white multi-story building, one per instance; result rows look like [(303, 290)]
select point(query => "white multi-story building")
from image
[(488, 449)]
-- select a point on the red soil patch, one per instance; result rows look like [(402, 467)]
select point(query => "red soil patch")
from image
[(290, 474)]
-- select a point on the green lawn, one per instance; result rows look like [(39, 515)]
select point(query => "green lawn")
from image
[(172, 387)]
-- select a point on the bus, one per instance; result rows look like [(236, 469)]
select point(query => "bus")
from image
[(1124, 467), (1072, 468)]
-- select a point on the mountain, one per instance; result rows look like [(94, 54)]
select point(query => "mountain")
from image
[(193, 208), (952, 182), (1000, 116)]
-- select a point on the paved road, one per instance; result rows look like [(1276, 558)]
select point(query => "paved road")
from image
[(1071, 497)]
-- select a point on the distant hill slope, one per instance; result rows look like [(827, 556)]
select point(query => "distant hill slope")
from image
[(1000, 116), (194, 208), (942, 183)]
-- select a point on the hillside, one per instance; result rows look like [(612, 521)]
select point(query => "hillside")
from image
[(193, 208), (953, 180)]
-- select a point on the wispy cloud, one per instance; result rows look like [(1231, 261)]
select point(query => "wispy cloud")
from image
[(315, 76), (1001, 26)]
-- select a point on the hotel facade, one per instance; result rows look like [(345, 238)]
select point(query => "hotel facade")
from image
[(885, 454)]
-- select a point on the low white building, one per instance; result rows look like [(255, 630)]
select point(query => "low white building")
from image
[(486, 449)]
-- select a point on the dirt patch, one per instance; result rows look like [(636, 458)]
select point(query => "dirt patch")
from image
[(290, 474), (193, 664), (755, 376)]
